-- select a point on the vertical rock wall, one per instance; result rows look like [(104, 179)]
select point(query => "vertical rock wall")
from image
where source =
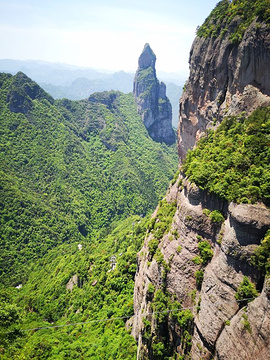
[(152, 102), (221, 327), (225, 79)]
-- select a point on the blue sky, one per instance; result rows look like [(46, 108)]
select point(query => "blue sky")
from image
[(104, 34)]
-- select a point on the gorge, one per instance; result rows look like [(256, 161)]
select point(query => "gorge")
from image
[(90, 266)]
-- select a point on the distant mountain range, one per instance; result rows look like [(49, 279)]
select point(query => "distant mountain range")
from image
[(76, 83)]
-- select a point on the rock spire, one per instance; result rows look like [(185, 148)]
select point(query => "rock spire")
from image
[(152, 102)]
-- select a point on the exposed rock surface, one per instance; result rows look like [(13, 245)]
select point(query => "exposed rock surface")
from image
[(152, 102), (213, 304), (72, 282), (225, 79)]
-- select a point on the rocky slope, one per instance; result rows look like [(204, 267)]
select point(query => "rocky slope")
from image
[(221, 327), (190, 273), (152, 102)]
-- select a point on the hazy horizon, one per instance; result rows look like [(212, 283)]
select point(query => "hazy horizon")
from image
[(102, 35)]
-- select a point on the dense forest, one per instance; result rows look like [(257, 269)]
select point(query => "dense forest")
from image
[(234, 17), (79, 181), (73, 173), (233, 161)]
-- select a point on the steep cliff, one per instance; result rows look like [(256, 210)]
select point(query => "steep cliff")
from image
[(202, 287), (152, 102), (226, 77), (198, 266)]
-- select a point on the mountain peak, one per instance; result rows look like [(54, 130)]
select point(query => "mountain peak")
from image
[(152, 103), (21, 93), (147, 58)]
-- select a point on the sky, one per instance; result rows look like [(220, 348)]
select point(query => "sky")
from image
[(102, 34)]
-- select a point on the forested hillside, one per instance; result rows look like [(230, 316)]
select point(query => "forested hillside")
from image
[(233, 161), (72, 173)]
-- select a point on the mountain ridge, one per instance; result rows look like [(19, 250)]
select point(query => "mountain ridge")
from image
[(98, 138), (75, 83)]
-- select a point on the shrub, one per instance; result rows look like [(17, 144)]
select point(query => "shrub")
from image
[(205, 251), (175, 176), (246, 323), (165, 215), (160, 305), (151, 288), (216, 216), (199, 278), (158, 350), (152, 246), (159, 257), (261, 257), (197, 260), (246, 292), (206, 212)]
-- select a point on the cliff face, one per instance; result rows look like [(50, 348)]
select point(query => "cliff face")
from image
[(188, 278), (225, 79), (152, 102), (221, 327)]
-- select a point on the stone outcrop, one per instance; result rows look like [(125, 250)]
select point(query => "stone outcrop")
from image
[(220, 328), (152, 102), (225, 79), (74, 280)]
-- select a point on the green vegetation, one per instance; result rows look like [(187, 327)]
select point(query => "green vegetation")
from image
[(176, 175), (70, 169), (184, 319), (165, 307), (147, 77), (151, 289), (197, 260), (206, 252), (72, 173), (160, 305), (226, 12), (246, 323), (233, 161), (99, 293), (152, 246), (161, 224), (199, 278), (216, 216), (246, 292), (261, 257)]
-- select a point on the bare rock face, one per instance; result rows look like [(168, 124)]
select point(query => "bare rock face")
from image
[(225, 79), (221, 328), (184, 295), (152, 102), (72, 282)]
